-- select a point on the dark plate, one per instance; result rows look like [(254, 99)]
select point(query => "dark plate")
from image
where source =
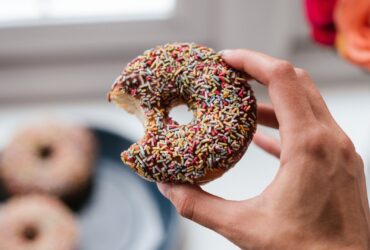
[(123, 211)]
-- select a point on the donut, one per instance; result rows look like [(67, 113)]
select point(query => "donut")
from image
[(353, 31), (37, 222), (48, 158), (222, 102)]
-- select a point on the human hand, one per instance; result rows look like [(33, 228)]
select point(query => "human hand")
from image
[(318, 198)]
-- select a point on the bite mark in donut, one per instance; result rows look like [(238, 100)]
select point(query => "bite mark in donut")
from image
[(220, 98)]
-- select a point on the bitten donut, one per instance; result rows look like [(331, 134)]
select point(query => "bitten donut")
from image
[(37, 222), (222, 102), (48, 158)]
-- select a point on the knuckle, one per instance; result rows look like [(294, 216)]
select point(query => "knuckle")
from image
[(360, 164), (282, 68), (318, 143), (304, 77), (185, 205), (359, 160), (302, 74), (347, 149), (322, 143)]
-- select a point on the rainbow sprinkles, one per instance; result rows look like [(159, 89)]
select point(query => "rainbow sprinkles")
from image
[(220, 98)]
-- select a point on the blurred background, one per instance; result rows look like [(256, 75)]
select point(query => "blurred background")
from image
[(59, 58)]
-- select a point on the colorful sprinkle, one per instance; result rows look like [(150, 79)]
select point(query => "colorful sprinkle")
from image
[(222, 101)]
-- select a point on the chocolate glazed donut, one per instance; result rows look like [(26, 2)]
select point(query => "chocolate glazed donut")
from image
[(220, 98)]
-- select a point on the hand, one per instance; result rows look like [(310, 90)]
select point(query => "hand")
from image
[(318, 198)]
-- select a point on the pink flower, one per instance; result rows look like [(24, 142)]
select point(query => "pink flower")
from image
[(320, 14)]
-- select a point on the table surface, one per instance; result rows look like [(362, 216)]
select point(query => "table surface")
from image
[(349, 105)]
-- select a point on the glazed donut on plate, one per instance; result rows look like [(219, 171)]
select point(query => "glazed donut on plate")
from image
[(48, 158), (37, 222), (220, 98)]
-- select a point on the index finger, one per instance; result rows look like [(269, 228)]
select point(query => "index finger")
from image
[(288, 98)]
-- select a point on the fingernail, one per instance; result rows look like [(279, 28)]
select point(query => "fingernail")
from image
[(224, 52), (163, 188)]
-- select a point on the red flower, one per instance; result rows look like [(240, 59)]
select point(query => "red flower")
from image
[(320, 14)]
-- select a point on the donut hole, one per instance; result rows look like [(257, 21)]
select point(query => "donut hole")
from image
[(181, 114), (30, 233), (45, 152)]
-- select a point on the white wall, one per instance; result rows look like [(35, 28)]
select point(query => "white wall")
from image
[(80, 61)]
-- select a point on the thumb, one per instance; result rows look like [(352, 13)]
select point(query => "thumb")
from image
[(201, 207)]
